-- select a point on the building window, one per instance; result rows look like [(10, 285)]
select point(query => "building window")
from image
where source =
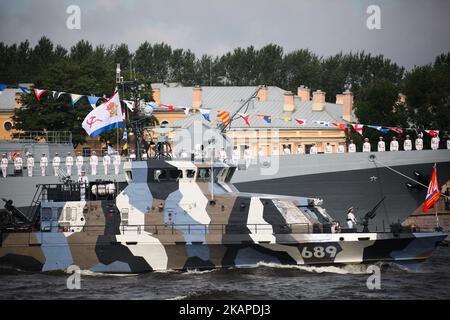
[(86, 152), (8, 126)]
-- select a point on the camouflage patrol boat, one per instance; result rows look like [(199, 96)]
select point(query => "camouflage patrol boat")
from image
[(187, 215)]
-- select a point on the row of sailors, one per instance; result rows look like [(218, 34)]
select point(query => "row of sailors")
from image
[(115, 159), (381, 147)]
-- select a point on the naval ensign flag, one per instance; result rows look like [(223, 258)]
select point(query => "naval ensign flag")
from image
[(105, 117)]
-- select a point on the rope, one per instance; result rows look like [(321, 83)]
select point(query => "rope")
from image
[(403, 175)]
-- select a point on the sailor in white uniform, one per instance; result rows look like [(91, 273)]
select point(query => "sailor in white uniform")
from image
[(4, 165), (448, 142), (300, 149), (407, 144), (56, 163), (79, 162), (286, 150), (394, 144), (116, 162), (235, 156), (351, 147), (381, 145), (144, 154), (43, 164), (313, 149), (132, 155), (18, 163), (351, 219), (366, 145), (93, 161), (340, 148), (247, 156), (84, 183), (435, 142), (328, 148), (106, 162), (419, 142), (223, 155), (69, 163), (30, 165)]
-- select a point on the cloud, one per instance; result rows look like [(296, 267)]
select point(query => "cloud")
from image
[(413, 32)]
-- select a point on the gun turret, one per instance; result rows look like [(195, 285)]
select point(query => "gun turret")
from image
[(16, 213), (370, 215)]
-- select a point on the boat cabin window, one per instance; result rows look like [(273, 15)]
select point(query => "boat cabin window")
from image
[(230, 174), (204, 174), (167, 174), (68, 214), (46, 214), (190, 173)]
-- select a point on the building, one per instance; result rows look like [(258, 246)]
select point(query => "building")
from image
[(283, 107), (9, 101)]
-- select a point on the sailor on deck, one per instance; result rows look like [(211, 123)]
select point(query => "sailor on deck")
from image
[(106, 162), (419, 142), (407, 144), (448, 142), (235, 156), (93, 161), (366, 145), (381, 145), (116, 162), (286, 150), (18, 163), (435, 142), (84, 183), (351, 219), (313, 149), (351, 147), (79, 163), (56, 162), (69, 163), (247, 156), (43, 164), (394, 144), (300, 149), (30, 165), (328, 148), (4, 165), (223, 155), (341, 148)]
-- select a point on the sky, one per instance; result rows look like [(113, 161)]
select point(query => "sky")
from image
[(413, 32)]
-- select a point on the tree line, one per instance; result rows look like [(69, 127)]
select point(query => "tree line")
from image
[(375, 80)]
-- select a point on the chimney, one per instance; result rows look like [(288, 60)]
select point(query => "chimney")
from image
[(339, 98), (304, 93), (288, 102), (156, 94), (347, 106), (197, 97), (318, 101), (263, 93)]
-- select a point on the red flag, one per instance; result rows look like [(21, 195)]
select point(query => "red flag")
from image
[(300, 121), (358, 127), (171, 108), (396, 129), (38, 93), (245, 117), (433, 133), (433, 193)]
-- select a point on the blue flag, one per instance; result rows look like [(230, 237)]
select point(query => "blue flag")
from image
[(205, 114), (380, 128), (93, 101), (2, 87), (24, 89)]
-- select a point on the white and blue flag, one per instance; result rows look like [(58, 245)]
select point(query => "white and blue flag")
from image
[(106, 116)]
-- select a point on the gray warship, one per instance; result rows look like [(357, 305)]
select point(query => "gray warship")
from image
[(187, 214)]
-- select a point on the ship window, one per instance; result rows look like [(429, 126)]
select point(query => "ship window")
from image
[(204, 174), (231, 171), (60, 210), (160, 175), (175, 174), (8, 126), (46, 214), (68, 214), (124, 213), (74, 214), (190, 173)]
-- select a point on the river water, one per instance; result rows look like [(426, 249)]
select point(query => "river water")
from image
[(430, 281)]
